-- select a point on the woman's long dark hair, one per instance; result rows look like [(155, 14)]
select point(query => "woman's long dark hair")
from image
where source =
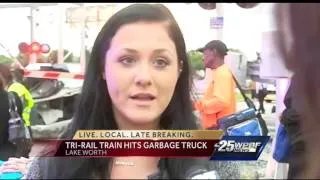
[(303, 59), (6, 75), (94, 110)]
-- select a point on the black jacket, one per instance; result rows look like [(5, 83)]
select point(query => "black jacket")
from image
[(6, 148), (290, 117), (291, 121)]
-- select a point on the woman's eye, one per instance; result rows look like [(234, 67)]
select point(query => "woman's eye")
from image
[(161, 63), (127, 60)]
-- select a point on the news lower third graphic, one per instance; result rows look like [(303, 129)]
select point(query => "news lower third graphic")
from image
[(239, 148), (159, 143)]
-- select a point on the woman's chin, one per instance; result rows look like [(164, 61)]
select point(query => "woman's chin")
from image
[(144, 122)]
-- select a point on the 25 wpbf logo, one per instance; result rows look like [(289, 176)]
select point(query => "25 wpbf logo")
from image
[(233, 146)]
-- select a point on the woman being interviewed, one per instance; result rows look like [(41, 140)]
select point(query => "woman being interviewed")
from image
[(137, 79)]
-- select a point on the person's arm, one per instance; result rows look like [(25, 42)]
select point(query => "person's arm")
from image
[(29, 105), (226, 169), (33, 171), (16, 165), (23, 92), (4, 116), (221, 94), (18, 103)]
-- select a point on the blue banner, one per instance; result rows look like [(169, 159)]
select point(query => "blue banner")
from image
[(216, 22)]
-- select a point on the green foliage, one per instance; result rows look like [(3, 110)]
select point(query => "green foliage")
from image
[(42, 58), (234, 50), (53, 57), (24, 59), (196, 60), (5, 60), (69, 58), (76, 59)]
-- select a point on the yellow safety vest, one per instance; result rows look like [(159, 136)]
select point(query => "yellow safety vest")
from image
[(25, 95)]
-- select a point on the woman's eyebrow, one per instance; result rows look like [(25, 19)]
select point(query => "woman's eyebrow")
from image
[(156, 51), (163, 50)]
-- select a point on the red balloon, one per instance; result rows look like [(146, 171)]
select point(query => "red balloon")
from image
[(35, 47), (23, 47), (45, 48)]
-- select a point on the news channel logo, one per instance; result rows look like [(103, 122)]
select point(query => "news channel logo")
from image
[(237, 148)]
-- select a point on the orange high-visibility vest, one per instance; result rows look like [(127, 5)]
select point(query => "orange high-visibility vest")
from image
[(219, 100)]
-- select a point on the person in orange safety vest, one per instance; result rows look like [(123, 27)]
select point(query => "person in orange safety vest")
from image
[(219, 99)]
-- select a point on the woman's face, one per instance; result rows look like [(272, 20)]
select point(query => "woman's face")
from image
[(141, 72)]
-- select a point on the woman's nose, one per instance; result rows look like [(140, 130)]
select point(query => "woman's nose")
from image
[(143, 76)]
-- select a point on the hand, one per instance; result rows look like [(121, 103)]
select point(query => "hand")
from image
[(15, 165)]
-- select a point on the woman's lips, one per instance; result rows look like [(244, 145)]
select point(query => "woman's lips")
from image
[(143, 99)]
